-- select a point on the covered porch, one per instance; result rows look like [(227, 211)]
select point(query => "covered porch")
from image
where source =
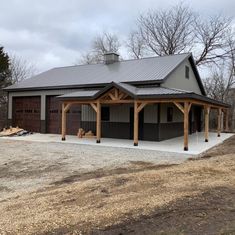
[(122, 93)]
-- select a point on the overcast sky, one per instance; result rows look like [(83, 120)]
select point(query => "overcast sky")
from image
[(52, 33)]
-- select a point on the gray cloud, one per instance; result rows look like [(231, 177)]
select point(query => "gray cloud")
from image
[(56, 32)]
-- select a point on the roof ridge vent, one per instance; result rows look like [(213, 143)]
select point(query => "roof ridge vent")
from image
[(111, 57)]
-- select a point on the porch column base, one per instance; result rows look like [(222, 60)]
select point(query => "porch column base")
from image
[(98, 141), (206, 140), (135, 144), (63, 138), (185, 148)]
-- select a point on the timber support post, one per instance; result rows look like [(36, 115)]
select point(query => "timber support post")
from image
[(137, 109), (97, 109), (206, 111), (186, 117), (98, 123), (185, 110), (65, 108), (219, 122), (226, 120), (136, 124)]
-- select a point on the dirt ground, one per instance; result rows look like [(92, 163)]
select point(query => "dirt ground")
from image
[(30, 165), (195, 197)]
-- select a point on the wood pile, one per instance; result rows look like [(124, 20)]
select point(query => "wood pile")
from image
[(10, 131), (83, 134)]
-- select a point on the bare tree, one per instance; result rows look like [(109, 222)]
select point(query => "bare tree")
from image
[(135, 45), (102, 44), (222, 79), (20, 69), (212, 38), (88, 58), (106, 43), (179, 29), (168, 31)]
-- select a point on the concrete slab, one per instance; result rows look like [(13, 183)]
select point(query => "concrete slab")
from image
[(197, 145)]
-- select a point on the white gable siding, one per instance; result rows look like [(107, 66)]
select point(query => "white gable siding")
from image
[(177, 79)]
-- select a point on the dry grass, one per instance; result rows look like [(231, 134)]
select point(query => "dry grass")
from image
[(92, 204)]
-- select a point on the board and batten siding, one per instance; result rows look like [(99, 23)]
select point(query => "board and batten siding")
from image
[(177, 79), (121, 113), (118, 113), (177, 114)]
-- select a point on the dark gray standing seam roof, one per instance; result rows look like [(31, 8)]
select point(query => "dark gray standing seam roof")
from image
[(129, 89), (153, 69), (138, 93)]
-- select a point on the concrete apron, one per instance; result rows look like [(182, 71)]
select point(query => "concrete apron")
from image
[(197, 144)]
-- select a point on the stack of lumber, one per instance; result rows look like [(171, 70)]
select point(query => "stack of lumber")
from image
[(89, 134), (11, 131), (83, 134)]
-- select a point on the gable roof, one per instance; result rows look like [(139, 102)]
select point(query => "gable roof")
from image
[(146, 70)]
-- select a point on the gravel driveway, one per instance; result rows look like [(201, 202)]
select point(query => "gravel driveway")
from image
[(26, 165)]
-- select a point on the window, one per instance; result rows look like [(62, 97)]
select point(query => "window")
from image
[(105, 113), (169, 114), (186, 72)]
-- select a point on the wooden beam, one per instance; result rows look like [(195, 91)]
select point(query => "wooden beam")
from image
[(112, 96), (148, 101), (67, 106), (219, 122), (93, 105), (116, 94), (179, 106), (206, 112), (116, 101), (63, 128), (186, 112), (136, 123), (141, 106), (189, 107), (98, 123), (121, 95)]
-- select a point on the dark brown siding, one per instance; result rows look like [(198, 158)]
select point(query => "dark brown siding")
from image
[(53, 117), (26, 113)]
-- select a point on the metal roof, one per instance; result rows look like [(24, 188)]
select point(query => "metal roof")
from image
[(140, 92), (153, 69), (130, 89), (83, 94)]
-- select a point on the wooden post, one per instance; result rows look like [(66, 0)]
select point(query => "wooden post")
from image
[(98, 123), (219, 122), (63, 122), (186, 109), (226, 120), (206, 111), (136, 123)]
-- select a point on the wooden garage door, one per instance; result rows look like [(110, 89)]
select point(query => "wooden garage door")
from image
[(53, 114), (26, 113)]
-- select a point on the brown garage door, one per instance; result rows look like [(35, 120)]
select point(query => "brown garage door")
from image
[(26, 113), (53, 114)]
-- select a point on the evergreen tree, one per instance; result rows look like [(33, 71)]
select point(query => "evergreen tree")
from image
[(5, 78)]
